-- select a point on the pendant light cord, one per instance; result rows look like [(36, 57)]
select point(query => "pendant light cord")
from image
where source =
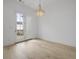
[(40, 5), (39, 2)]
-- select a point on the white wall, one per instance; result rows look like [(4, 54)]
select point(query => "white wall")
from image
[(58, 24), (11, 7)]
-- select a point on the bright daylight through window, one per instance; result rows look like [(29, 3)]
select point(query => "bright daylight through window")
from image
[(19, 24)]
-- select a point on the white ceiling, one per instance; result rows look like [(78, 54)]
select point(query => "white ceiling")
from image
[(50, 5), (34, 3)]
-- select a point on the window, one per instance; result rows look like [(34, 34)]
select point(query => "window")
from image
[(19, 24)]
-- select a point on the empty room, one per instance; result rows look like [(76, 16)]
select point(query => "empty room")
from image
[(39, 29)]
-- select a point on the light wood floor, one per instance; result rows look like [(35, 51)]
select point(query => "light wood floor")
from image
[(39, 49)]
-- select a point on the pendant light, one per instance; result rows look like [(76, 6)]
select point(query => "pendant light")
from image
[(40, 11)]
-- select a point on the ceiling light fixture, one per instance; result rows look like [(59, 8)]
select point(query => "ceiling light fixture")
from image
[(40, 11)]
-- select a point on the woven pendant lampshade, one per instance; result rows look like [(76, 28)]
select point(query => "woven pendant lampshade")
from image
[(40, 11)]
